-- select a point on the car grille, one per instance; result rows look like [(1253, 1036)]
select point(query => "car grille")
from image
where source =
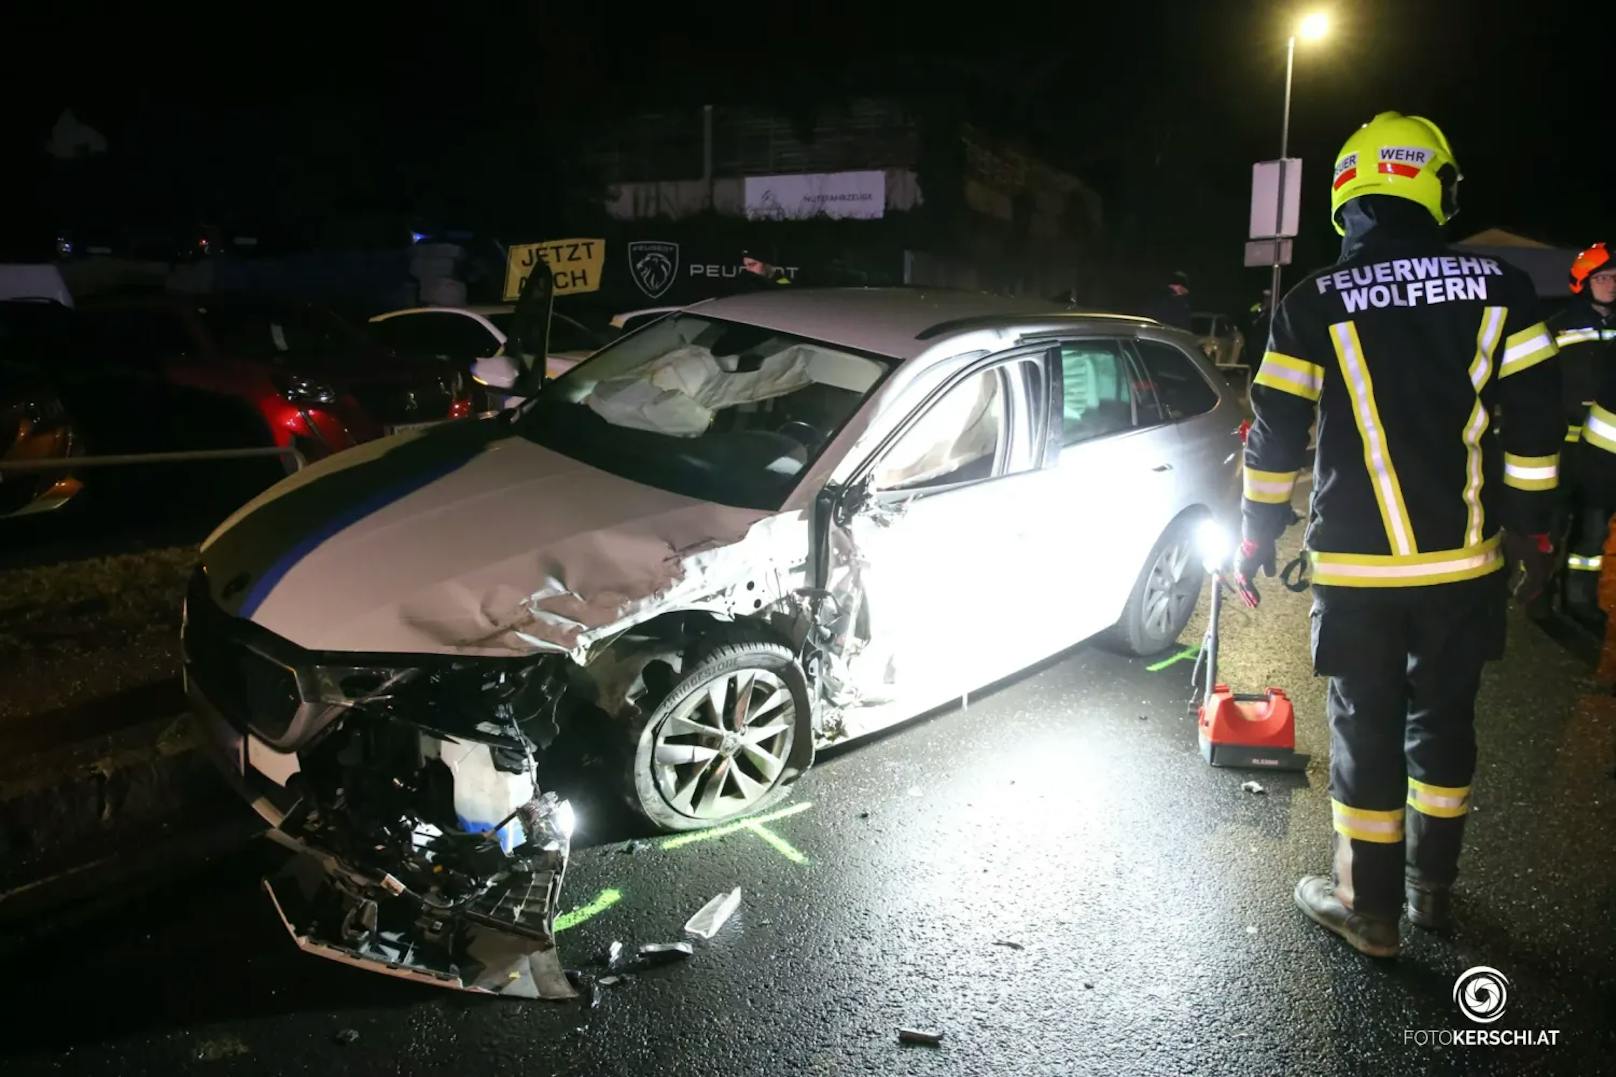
[(420, 403), (248, 687)]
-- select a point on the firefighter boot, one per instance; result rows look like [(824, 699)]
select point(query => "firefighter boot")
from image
[(1430, 907), (1582, 597), (1372, 935)]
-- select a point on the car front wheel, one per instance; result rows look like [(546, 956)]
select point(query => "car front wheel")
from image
[(726, 740), (1165, 594)]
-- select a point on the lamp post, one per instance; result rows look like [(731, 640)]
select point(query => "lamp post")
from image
[(1311, 28)]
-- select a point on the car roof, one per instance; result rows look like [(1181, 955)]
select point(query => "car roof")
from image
[(897, 322)]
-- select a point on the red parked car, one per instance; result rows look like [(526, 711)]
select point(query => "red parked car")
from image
[(223, 371)]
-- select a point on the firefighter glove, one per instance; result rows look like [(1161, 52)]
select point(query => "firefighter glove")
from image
[(1529, 564), (1253, 555)]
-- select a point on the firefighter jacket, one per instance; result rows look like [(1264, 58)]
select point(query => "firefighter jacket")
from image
[(1587, 341), (1439, 415), (1598, 459)]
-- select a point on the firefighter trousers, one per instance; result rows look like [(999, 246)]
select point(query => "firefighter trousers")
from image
[(1404, 665)]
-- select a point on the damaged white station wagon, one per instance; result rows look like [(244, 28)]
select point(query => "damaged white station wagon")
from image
[(750, 529)]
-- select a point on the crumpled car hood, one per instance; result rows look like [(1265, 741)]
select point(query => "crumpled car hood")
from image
[(466, 540)]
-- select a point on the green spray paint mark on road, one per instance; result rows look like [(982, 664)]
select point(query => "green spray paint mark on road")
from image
[(1187, 652), (756, 826), (603, 901), (781, 845)]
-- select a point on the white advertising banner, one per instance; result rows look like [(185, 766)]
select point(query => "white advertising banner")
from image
[(854, 195)]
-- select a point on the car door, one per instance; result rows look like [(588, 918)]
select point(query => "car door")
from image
[(943, 538), (1115, 481), (1205, 421)]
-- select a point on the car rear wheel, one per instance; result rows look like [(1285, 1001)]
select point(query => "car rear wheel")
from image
[(1165, 594), (725, 741)]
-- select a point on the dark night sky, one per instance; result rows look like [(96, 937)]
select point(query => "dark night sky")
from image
[(1162, 106)]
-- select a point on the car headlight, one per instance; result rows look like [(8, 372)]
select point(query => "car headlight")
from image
[(1214, 544), (566, 820), (301, 390), (357, 684)]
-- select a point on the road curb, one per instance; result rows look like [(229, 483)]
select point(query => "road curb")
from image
[(61, 806)]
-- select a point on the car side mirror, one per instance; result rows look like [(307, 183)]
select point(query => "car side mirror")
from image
[(496, 371)]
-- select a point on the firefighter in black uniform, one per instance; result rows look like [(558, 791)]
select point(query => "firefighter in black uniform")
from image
[(1408, 349), (1586, 334)]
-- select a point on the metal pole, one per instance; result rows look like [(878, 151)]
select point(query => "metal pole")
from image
[(77, 463), (1279, 197)]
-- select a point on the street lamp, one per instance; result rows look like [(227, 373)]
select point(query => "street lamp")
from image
[(1312, 27)]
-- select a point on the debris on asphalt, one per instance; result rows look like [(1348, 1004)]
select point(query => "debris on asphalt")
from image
[(215, 1050), (1144, 717), (661, 953), (631, 848), (711, 917), (1254, 789), (864, 815), (1007, 944), (1087, 986), (347, 1036), (610, 981), (921, 1036), (613, 956)]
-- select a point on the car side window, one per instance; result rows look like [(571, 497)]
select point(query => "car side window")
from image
[(1098, 392), (435, 336), (962, 437), (140, 339), (1183, 392)]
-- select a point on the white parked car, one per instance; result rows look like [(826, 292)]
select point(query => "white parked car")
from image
[(474, 335), (757, 526)]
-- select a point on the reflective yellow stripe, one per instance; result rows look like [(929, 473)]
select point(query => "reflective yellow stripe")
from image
[(1481, 367), (1526, 349), (1575, 336), (1441, 801), (1377, 457), (1573, 434), (1599, 429), (1291, 375), (1385, 827), (1492, 324), (1269, 487), (1474, 429), (1585, 564), (1532, 472), (1416, 570)]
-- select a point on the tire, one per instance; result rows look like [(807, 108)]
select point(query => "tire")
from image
[(724, 775), (1164, 596)]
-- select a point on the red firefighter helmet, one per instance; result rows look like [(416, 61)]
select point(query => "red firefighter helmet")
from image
[(1589, 261)]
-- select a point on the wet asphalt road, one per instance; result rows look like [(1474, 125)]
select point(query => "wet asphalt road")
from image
[(1066, 812)]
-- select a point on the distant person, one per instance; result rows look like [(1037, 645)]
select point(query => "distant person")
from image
[(1586, 333), (1173, 307), (763, 270), (1262, 317)]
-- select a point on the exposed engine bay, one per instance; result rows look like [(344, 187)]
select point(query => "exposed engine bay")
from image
[(427, 849)]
